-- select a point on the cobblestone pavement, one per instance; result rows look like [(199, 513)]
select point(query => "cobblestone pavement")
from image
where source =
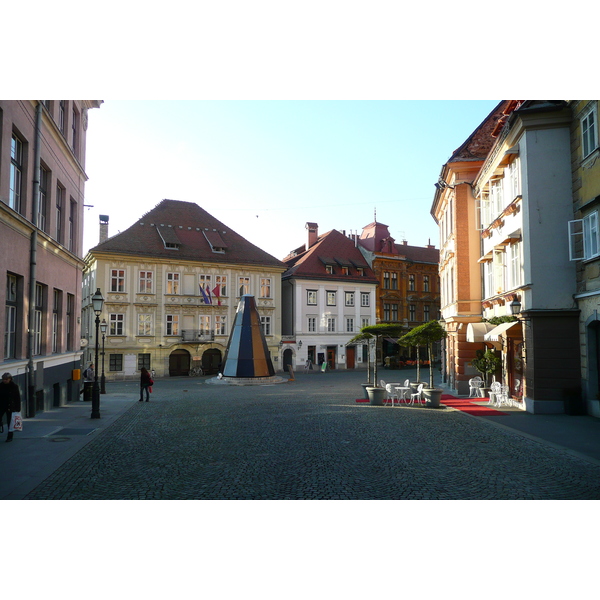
[(309, 440)]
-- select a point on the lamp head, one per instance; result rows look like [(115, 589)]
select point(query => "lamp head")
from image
[(515, 307), (97, 302)]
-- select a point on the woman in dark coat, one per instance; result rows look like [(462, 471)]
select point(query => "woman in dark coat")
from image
[(145, 383), (10, 400)]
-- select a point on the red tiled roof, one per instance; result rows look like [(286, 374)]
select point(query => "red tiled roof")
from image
[(332, 248), (189, 227)]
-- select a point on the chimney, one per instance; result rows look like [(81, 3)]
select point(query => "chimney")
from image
[(103, 228), (313, 234)]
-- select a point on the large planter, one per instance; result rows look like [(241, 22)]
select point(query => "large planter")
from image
[(364, 387), (376, 395), (433, 396)]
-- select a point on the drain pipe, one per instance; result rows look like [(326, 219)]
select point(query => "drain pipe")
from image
[(31, 403)]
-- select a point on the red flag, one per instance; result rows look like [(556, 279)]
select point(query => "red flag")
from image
[(217, 293)]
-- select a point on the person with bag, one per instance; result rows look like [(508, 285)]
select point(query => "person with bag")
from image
[(145, 383), (10, 401)]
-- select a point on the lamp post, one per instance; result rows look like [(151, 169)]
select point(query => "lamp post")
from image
[(97, 302), (103, 327)]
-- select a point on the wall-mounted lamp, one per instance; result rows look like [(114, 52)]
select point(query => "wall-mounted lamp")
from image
[(299, 343), (442, 185), (515, 307)]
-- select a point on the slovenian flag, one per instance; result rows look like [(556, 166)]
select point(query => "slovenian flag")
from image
[(204, 295)]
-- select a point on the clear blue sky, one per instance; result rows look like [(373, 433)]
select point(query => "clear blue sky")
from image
[(265, 168)]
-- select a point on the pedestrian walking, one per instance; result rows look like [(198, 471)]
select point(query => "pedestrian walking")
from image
[(145, 382), (88, 377), (10, 401)]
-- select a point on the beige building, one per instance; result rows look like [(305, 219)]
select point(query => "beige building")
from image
[(171, 285), (584, 238), (42, 180)]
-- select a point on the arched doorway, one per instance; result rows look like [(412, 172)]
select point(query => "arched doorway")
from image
[(211, 361), (287, 359), (179, 363), (593, 367)]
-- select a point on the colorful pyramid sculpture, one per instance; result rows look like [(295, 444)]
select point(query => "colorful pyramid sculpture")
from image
[(247, 354)]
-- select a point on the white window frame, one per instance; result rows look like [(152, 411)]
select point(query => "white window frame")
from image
[(144, 327), (221, 280), (265, 323), (311, 324), (349, 298), (173, 281), (349, 325), (204, 322), (310, 296), (587, 231), (172, 325), (514, 261), (117, 280), (331, 324), (16, 173), (243, 286), (331, 298), (589, 131), (116, 324), (265, 287), (365, 299), (364, 321), (220, 324), (146, 282)]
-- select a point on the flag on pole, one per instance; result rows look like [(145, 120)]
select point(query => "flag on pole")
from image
[(206, 298), (208, 294), (217, 293)]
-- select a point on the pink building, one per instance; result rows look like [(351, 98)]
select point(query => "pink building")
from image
[(42, 178)]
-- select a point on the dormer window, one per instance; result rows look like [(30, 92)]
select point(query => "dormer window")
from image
[(345, 271), (329, 269), (171, 246)]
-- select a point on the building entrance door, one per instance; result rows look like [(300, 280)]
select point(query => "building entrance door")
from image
[(331, 357), (350, 357), (179, 363)]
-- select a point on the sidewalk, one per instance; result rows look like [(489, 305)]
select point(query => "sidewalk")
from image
[(50, 438), (580, 435)]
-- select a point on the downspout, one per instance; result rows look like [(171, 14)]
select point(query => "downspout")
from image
[(31, 404)]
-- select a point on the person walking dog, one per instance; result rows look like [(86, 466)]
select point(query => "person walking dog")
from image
[(145, 383), (10, 400)]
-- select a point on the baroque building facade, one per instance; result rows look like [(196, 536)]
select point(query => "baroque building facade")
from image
[(584, 242), (408, 289), (329, 293), (527, 281), (171, 285), (42, 182)]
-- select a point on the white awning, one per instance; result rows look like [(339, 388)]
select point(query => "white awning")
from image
[(476, 331), (494, 334)]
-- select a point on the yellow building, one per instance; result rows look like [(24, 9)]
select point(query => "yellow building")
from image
[(585, 242), (171, 285)]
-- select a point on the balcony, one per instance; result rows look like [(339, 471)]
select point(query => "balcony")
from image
[(197, 335)]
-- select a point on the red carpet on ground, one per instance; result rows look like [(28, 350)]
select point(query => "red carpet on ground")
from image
[(467, 406), (463, 404)]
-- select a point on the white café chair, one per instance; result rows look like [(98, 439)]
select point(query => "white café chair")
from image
[(475, 385), (418, 395), (495, 392), (390, 389)]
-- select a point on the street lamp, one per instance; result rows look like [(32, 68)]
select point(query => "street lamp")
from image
[(97, 302), (103, 327), (515, 307)]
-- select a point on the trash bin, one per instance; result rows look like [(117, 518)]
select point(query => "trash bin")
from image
[(88, 390)]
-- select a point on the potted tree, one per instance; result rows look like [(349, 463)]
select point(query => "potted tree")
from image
[(376, 393), (486, 362), (426, 335), (363, 338)]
